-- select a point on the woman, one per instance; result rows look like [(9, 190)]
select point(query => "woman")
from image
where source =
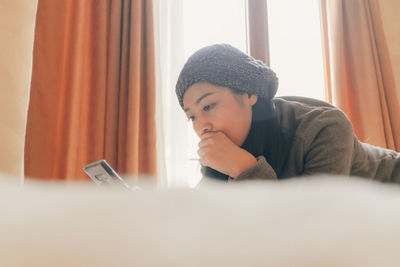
[(246, 133)]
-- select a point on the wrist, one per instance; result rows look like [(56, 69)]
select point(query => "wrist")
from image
[(244, 164)]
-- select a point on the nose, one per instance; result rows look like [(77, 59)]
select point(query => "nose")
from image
[(202, 125)]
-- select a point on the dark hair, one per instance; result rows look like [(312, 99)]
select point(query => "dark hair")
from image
[(265, 138)]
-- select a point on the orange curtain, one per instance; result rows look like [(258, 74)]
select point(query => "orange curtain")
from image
[(258, 30), (358, 68), (93, 89)]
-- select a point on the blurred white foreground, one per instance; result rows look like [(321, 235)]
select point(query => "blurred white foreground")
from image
[(300, 222)]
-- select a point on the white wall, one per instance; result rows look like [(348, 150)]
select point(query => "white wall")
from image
[(17, 21)]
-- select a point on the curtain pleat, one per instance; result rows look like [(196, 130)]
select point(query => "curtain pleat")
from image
[(358, 68), (93, 89), (325, 48)]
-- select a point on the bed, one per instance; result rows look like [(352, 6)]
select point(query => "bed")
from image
[(319, 221)]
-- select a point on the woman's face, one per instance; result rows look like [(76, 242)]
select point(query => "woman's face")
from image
[(216, 108)]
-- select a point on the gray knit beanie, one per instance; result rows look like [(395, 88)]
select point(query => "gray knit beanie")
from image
[(225, 65)]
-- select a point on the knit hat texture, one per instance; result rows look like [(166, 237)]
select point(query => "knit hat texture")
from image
[(225, 65)]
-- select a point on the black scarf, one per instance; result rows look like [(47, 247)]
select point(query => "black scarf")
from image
[(265, 138)]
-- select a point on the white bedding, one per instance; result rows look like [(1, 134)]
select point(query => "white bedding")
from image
[(301, 222)]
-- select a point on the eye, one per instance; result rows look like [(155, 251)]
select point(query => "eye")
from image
[(208, 107), (191, 118)]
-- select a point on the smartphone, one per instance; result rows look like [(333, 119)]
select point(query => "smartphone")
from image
[(103, 175)]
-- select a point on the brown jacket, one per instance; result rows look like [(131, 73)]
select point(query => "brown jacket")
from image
[(325, 143)]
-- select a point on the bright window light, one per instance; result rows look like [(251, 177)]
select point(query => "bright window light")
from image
[(214, 21), (295, 47)]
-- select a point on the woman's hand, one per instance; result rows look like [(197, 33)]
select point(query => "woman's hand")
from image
[(217, 151)]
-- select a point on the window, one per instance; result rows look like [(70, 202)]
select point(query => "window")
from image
[(296, 47), (208, 22)]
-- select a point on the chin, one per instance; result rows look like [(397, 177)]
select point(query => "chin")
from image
[(240, 142)]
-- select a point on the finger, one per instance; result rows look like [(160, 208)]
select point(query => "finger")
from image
[(206, 142), (206, 135), (209, 133), (202, 152), (205, 161)]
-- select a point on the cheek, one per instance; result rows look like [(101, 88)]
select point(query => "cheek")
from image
[(236, 116), (237, 125)]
